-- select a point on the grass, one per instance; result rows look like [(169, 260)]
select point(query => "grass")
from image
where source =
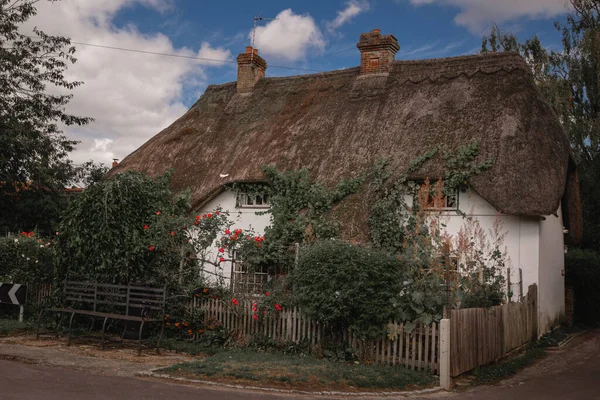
[(277, 369), (493, 373), (13, 326)]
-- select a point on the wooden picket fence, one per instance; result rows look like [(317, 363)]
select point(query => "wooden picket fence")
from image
[(418, 349), (479, 336)]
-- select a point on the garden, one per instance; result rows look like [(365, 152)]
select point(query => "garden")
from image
[(331, 300)]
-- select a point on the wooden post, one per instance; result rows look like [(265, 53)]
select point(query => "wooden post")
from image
[(446, 251), (508, 284), (21, 312), (445, 378)]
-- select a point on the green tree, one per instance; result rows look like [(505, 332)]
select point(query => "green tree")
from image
[(34, 163)]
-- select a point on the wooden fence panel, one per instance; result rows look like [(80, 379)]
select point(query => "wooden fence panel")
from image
[(418, 349), (479, 336)]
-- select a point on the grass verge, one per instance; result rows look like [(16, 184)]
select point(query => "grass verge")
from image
[(305, 372), (493, 373), (11, 327)]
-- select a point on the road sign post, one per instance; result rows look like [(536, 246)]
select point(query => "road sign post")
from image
[(16, 294)]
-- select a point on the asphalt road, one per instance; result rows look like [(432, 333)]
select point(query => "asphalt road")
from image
[(571, 374)]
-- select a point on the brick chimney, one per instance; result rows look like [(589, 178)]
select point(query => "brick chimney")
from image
[(115, 162), (251, 68), (377, 52)]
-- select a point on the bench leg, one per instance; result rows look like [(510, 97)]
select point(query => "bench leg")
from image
[(140, 339), (103, 329), (162, 329), (39, 321), (70, 328), (59, 325)]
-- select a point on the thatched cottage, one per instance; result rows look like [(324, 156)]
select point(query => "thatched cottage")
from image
[(339, 123)]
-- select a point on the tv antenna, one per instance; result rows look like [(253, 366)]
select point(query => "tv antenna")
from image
[(256, 22)]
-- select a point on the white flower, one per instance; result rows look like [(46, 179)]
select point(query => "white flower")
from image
[(23, 255), (16, 240), (27, 258), (41, 245), (36, 261)]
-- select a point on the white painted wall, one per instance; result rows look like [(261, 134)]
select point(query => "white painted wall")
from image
[(530, 243), (521, 241), (243, 218), (551, 290)]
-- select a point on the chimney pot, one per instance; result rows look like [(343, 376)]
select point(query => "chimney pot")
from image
[(377, 52), (115, 162), (251, 68)]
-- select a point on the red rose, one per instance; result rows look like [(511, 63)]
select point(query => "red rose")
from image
[(209, 215), (172, 233), (216, 213), (227, 232), (267, 294), (196, 222), (235, 302), (255, 316), (221, 250), (197, 217), (158, 213), (278, 307), (145, 226), (203, 215), (151, 248), (221, 259)]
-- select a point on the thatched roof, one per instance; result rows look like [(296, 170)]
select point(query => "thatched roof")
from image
[(338, 123)]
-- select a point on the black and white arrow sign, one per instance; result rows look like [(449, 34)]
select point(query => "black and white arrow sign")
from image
[(13, 293)]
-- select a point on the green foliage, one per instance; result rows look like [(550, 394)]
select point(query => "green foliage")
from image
[(26, 259), (300, 213), (388, 213), (461, 165), (103, 236), (583, 274), (347, 286), (34, 163)]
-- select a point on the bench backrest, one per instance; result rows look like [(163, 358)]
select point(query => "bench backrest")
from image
[(100, 296)]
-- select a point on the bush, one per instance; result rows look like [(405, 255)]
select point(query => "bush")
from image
[(346, 286), (26, 258), (583, 275), (116, 231)]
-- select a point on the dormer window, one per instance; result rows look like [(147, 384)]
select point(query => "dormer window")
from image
[(430, 196), (255, 200)]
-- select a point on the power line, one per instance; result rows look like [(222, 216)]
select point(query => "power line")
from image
[(184, 56)]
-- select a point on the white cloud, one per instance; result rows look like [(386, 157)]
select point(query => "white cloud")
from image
[(353, 8), (131, 96), (478, 15), (289, 37)]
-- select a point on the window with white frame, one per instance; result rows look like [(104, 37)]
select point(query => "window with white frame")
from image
[(257, 200), (245, 280)]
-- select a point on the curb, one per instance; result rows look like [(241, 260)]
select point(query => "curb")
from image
[(568, 340), (154, 374)]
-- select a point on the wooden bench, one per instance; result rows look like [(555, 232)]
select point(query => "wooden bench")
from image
[(99, 300)]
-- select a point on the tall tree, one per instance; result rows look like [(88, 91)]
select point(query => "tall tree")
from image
[(34, 163)]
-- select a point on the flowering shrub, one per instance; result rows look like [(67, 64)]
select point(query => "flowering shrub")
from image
[(26, 258)]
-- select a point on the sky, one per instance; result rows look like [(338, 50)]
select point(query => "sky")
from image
[(132, 96)]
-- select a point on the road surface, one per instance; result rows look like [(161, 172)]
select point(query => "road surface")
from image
[(570, 374)]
